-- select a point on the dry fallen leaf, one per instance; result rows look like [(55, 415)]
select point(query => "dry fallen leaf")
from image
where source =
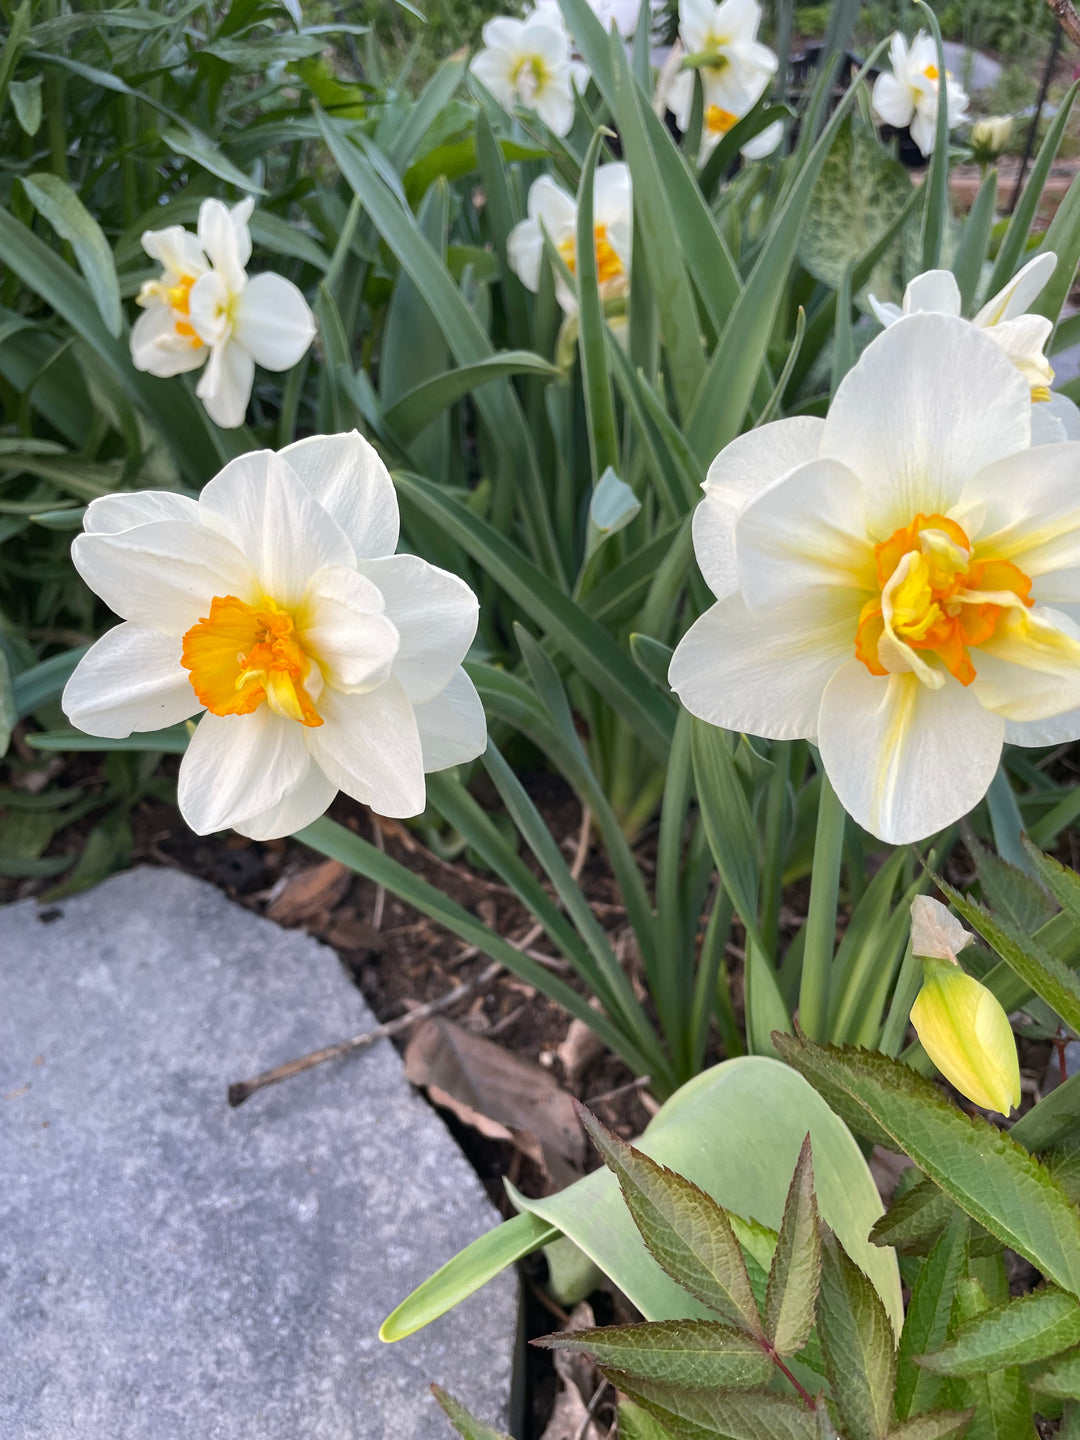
[(577, 1051), (579, 1380), (500, 1094), (307, 893)]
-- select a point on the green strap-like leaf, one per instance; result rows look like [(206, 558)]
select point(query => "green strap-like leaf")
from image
[(682, 1352), (1054, 1120), (596, 383), (420, 405), (796, 1268), (58, 203), (685, 1230), (989, 1176), (1025, 1330), (857, 1343)]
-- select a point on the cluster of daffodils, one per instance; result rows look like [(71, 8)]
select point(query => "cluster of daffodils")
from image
[(203, 310), (909, 97), (898, 583), (1004, 318), (529, 62), (720, 43), (553, 212), (275, 605), (961, 1026)]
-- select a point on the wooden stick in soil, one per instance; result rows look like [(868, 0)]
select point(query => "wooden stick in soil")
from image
[(1065, 13)]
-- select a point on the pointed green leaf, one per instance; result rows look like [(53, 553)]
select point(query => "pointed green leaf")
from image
[(462, 1421), (857, 1343), (416, 409), (1001, 1398), (988, 1175), (685, 1230), (58, 203), (734, 1414), (1030, 1328), (682, 1352), (796, 1266), (1056, 1118), (929, 1312), (935, 1425), (634, 1422), (1063, 883), (1062, 1379)]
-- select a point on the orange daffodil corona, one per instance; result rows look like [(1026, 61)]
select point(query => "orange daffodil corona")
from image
[(276, 606), (203, 310), (898, 583)]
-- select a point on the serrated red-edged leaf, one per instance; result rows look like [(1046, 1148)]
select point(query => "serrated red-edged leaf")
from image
[(685, 1230), (683, 1352), (934, 1425), (857, 1342), (1062, 1379), (1021, 1332), (1001, 1398), (997, 1182), (796, 1268), (692, 1414), (929, 1312)]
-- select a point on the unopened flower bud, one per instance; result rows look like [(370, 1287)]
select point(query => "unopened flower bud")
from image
[(967, 1035), (989, 137)]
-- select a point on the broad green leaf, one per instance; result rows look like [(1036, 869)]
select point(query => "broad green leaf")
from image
[(1063, 883), (685, 1230), (634, 1422), (58, 203), (858, 1345), (796, 1267), (1001, 1398), (467, 1271), (1062, 1379), (26, 102), (988, 1175), (732, 1414), (464, 1423), (1050, 979), (1008, 890), (929, 1312), (195, 146), (417, 407), (1055, 1119), (734, 1104), (683, 1352), (934, 1425), (859, 194), (1030, 1328)]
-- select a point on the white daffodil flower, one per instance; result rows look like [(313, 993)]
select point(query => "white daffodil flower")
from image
[(552, 209), (735, 75), (899, 582), (275, 605), (1023, 337), (204, 309), (528, 62), (909, 96)]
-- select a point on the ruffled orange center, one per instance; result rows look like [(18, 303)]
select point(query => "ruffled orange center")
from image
[(240, 655), (936, 600), (719, 121), (608, 264)]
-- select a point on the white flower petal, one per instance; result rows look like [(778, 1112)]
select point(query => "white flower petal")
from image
[(163, 575), (764, 672), (263, 507), (912, 421), (1035, 733), (309, 799), (886, 312), (223, 234), (1029, 669), (807, 529), (369, 746), (1028, 506), (452, 726), (764, 142), (1024, 287), (123, 510), (131, 679), (176, 249), (935, 291), (1046, 427), (924, 127), (893, 101), (494, 68), (345, 475), (1062, 409), (158, 349), (273, 322), (225, 387), (553, 208), (435, 614), (525, 253), (239, 766), (345, 630), (208, 308), (905, 760)]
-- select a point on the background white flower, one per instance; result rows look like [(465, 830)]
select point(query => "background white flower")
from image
[(552, 209), (738, 72), (529, 62), (1023, 337), (899, 583), (205, 309), (909, 96), (275, 603)]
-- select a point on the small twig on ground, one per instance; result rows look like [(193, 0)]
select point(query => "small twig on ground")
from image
[(639, 1084), (591, 1409), (1065, 13)]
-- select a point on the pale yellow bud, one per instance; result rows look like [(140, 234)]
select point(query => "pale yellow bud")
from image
[(989, 137), (967, 1035)]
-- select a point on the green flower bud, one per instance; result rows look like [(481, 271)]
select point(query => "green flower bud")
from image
[(967, 1035), (989, 137)]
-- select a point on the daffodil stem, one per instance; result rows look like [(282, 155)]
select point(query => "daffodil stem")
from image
[(821, 920)]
